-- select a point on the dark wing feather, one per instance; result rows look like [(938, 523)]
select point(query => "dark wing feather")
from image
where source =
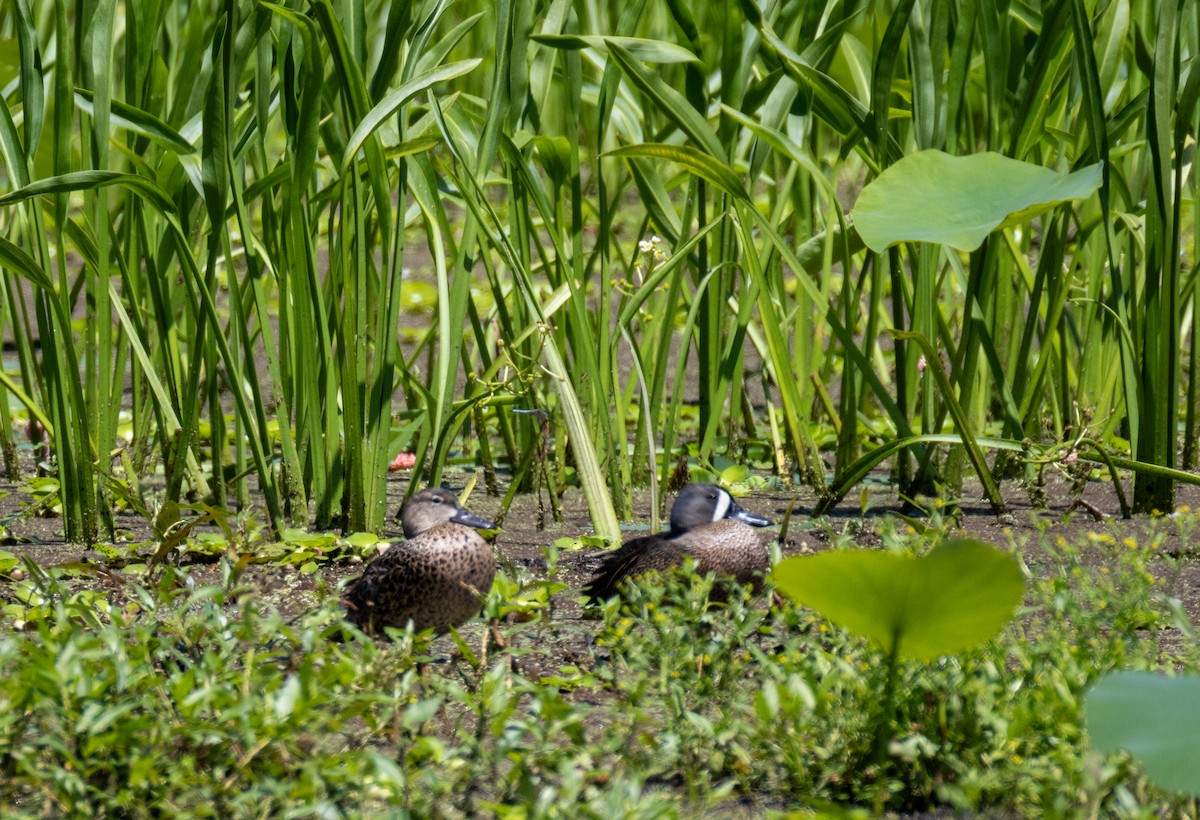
[(380, 587), (633, 557)]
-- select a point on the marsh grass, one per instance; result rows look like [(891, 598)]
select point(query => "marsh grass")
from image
[(209, 206)]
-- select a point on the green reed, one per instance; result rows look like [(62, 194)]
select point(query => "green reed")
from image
[(208, 210)]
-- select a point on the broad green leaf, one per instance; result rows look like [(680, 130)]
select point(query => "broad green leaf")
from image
[(648, 51), (931, 196), (1156, 719), (956, 597)]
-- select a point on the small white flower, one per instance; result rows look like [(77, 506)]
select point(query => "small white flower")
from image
[(656, 239), (645, 247)]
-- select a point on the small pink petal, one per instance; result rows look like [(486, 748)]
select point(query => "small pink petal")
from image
[(921, 365), (1071, 457), (404, 461)]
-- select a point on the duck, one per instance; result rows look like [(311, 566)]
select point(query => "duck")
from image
[(435, 579), (708, 525)]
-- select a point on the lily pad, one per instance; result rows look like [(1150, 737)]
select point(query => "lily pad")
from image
[(958, 596), (362, 540), (931, 196), (1155, 718), (418, 296)]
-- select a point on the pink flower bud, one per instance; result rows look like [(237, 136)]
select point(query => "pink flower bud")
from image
[(404, 461)]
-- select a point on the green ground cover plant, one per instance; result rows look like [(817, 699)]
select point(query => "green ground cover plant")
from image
[(175, 697)]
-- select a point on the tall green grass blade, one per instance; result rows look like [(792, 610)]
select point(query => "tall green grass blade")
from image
[(673, 105), (1159, 339), (990, 491)]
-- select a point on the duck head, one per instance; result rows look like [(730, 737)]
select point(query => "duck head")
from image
[(700, 504), (433, 506)]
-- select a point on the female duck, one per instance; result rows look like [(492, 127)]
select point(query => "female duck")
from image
[(435, 579), (707, 524)]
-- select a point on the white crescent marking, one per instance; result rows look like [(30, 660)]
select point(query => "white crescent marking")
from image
[(723, 502)]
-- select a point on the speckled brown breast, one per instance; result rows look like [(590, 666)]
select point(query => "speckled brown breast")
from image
[(727, 548), (435, 580)]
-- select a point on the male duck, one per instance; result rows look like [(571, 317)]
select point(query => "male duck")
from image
[(707, 524), (435, 578)]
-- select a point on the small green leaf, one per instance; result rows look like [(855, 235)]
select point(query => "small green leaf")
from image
[(931, 196), (28, 593), (1154, 718), (307, 540), (417, 713), (956, 597), (465, 649), (361, 540), (285, 699), (734, 474)]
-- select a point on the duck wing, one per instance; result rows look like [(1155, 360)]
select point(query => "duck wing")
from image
[(636, 556), (383, 586)]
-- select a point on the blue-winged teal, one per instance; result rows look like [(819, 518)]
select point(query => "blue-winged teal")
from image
[(707, 524), (435, 578)]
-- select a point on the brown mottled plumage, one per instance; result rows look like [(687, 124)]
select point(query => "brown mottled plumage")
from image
[(435, 579), (707, 524)]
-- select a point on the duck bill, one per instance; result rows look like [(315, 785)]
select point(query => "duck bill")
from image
[(738, 514), (471, 520)]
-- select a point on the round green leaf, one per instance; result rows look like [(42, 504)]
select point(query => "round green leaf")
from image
[(1156, 719), (931, 196), (956, 597)]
